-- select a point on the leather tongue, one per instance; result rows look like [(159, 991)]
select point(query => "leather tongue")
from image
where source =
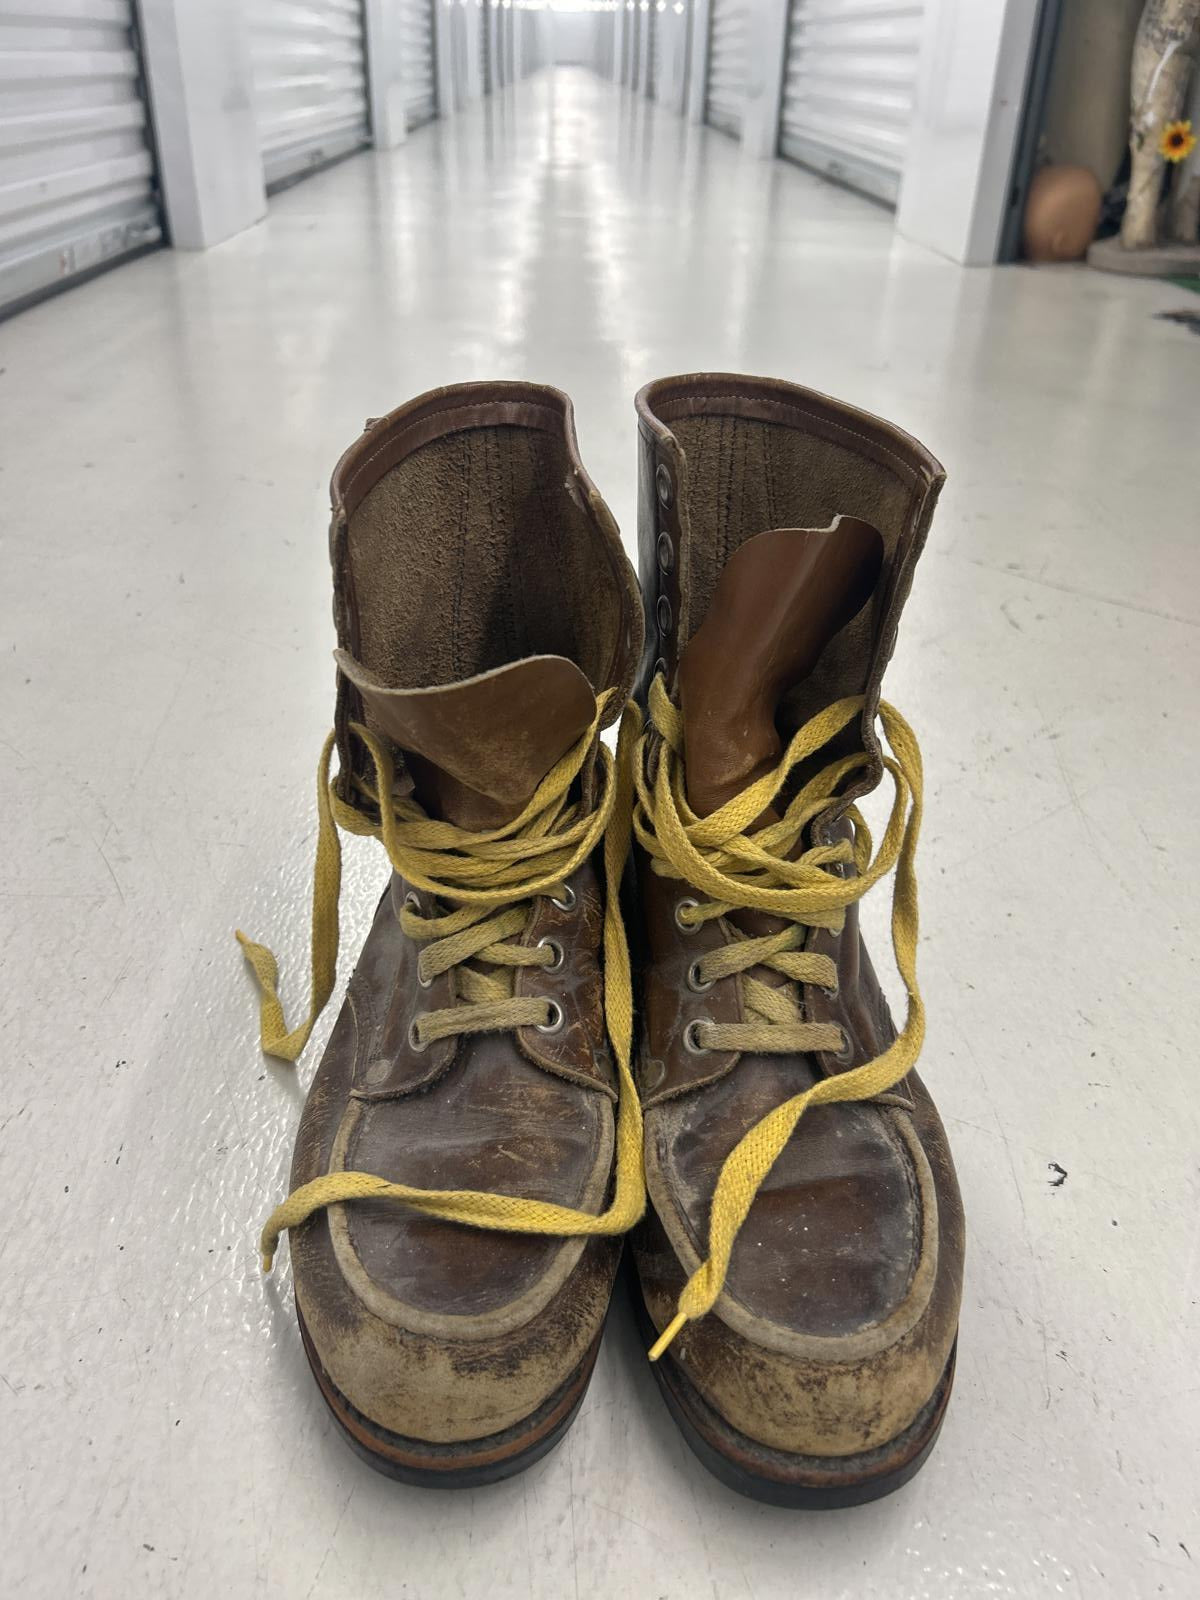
[(780, 599), (477, 749)]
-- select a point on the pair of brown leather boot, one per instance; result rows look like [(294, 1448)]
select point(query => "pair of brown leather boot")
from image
[(505, 1094)]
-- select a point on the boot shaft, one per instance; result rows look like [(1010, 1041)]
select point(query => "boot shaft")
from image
[(481, 595), (726, 460)]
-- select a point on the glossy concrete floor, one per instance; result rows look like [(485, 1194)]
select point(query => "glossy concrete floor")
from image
[(167, 437)]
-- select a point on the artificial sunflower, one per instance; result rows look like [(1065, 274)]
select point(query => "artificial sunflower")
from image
[(1177, 141)]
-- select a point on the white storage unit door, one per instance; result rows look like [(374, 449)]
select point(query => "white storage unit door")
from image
[(654, 38), (310, 83), (418, 62), (632, 26), (729, 26), (76, 172), (848, 89)]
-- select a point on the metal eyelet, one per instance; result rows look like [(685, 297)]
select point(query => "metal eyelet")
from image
[(660, 670), (664, 615), (846, 1053), (414, 1043), (567, 903), (695, 982), (555, 1021), (556, 950), (686, 905), (663, 484), (666, 551), (830, 994), (411, 903), (423, 983), (691, 1037)]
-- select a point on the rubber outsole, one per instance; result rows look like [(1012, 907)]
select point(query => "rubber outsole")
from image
[(778, 1477), (468, 1464)]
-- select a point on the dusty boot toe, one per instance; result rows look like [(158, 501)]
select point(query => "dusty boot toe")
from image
[(831, 1336), (460, 1381)]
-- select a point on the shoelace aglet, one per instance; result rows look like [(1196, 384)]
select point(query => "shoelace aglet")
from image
[(268, 1261), (668, 1333)]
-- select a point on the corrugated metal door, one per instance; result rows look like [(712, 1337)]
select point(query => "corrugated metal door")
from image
[(419, 63), (654, 47), (728, 29), (459, 55), (310, 83), (76, 171), (848, 90)]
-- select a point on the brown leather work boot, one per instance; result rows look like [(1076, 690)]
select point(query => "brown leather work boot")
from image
[(801, 1259), (470, 1149)]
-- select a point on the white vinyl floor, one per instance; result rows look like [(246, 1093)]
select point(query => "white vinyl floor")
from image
[(165, 683)]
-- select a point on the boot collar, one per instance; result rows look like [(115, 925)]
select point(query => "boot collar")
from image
[(845, 463)]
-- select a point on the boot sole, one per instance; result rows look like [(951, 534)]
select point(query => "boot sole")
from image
[(778, 1477), (465, 1465)]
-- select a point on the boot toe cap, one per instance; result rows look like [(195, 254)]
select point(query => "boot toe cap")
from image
[(841, 1360), (449, 1379)]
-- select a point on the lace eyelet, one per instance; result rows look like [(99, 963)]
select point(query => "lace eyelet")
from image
[(423, 983), (555, 1021), (830, 994), (846, 1054), (567, 902), (556, 951), (682, 906), (691, 1037), (414, 1042), (695, 982), (411, 903)]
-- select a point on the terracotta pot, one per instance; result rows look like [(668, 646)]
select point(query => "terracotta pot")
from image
[(1061, 213)]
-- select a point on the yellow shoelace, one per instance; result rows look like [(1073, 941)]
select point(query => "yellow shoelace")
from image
[(741, 869), (489, 877)]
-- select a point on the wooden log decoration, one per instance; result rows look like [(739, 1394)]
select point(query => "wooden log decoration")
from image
[(1164, 56), (1185, 187)]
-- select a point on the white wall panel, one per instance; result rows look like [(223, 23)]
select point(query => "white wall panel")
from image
[(958, 171)]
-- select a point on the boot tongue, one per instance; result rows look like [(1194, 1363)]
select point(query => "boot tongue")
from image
[(478, 749), (780, 599)]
